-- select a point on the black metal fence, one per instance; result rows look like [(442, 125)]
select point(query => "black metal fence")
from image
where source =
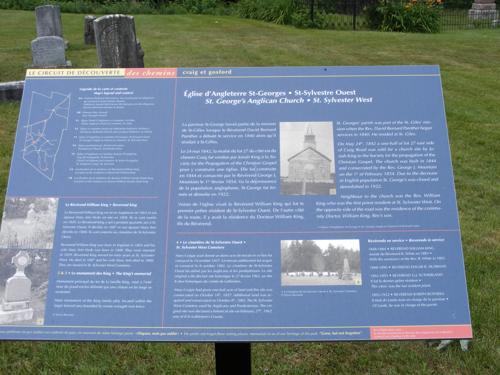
[(457, 19), (352, 14), (342, 14)]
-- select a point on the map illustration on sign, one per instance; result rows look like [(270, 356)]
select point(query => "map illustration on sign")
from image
[(48, 119)]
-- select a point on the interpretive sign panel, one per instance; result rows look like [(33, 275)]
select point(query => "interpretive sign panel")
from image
[(232, 204)]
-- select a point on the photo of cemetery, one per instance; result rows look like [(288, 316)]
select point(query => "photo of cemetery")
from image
[(24, 276), (306, 158), (28, 223), (320, 262)]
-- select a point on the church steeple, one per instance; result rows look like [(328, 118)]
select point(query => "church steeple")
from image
[(309, 139)]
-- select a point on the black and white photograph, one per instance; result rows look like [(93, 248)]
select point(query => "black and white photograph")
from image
[(24, 277), (320, 262), (307, 164), (28, 223)]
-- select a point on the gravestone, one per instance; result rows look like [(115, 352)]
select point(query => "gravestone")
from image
[(88, 29), (116, 42), (48, 21), (16, 301), (483, 10), (48, 52), (11, 90), (140, 54)]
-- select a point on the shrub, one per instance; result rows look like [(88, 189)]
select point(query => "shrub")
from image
[(301, 19), (173, 8), (414, 16), (423, 17), (321, 20), (21, 4), (127, 6), (277, 11), (198, 6), (374, 16)]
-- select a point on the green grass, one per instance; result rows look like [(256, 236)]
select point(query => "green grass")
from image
[(470, 63)]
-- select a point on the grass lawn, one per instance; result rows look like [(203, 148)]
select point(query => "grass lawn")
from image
[(470, 64)]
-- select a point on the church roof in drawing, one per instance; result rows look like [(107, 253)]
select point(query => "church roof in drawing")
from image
[(309, 148)]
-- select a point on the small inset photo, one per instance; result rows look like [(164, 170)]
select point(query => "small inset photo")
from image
[(24, 278), (306, 158), (320, 262), (28, 223)]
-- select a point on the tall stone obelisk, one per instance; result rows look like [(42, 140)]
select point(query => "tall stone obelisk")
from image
[(346, 270)]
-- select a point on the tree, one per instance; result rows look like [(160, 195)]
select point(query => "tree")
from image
[(318, 263)]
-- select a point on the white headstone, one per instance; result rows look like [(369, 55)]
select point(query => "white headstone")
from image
[(17, 289), (48, 52)]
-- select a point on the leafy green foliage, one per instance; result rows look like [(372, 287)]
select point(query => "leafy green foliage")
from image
[(198, 6), (417, 16), (327, 14), (457, 4), (127, 6), (276, 11), (320, 20), (374, 17)]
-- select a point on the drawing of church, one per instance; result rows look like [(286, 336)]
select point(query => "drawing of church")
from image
[(309, 170), (309, 164)]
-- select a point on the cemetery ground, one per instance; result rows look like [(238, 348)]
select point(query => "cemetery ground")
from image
[(470, 67), (287, 280)]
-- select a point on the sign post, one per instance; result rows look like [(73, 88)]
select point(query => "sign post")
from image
[(233, 358)]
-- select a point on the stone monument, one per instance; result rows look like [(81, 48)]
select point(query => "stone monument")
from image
[(484, 10), (116, 42), (48, 52), (48, 21), (11, 90), (31, 216), (88, 29), (346, 270), (16, 302)]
